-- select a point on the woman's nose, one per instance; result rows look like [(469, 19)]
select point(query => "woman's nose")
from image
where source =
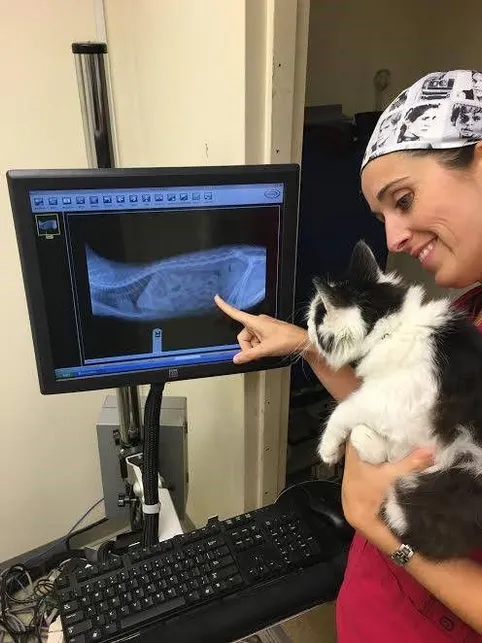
[(397, 234)]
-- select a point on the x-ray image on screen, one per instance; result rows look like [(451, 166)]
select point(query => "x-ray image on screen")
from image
[(180, 286), (136, 274)]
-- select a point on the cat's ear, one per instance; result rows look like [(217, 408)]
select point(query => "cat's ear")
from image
[(325, 290), (363, 264)]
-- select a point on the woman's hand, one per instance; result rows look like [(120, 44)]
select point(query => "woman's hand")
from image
[(365, 487), (264, 336)]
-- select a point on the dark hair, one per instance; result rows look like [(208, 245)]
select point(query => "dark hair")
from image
[(419, 110), (457, 158)]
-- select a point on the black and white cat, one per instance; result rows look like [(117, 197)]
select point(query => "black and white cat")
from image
[(420, 363)]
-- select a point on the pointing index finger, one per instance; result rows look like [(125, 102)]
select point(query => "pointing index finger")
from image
[(234, 313)]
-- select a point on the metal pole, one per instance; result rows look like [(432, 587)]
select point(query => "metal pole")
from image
[(91, 66)]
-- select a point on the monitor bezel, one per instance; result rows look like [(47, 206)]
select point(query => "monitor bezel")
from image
[(22, 182)]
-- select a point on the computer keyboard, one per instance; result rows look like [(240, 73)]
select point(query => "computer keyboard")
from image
[(148, 587)]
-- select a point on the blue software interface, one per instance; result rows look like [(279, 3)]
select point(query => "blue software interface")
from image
[(129, 275)]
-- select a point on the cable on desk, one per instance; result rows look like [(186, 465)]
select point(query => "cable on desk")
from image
[(67, 536), (37, 601)]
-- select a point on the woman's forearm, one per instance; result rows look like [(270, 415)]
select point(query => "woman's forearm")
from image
[(455, 583), (340, 384)]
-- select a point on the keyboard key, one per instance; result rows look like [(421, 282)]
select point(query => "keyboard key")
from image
[(79, 628), (147, 602), (80, 638), (155, 611), (70, 607), (80, 575), (158, 597), (95, 635), (207, 591), (75, 617), (222, 551), (234, 581), (65, 595), (111, 628), (212, 543), (100, 585), (193, 597)]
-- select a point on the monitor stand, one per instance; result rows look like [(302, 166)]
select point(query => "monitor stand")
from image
[(122, 476), (169, 523)]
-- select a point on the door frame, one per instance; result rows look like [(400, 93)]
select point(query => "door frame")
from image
[(266, 400)]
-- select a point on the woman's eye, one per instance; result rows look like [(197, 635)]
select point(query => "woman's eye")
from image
[(404, 203)]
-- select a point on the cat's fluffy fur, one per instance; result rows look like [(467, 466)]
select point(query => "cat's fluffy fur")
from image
[(420, 363)]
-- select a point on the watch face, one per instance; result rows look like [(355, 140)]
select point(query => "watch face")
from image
[(402, 555)]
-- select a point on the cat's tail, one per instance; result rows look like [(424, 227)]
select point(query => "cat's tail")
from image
[(438, 513)]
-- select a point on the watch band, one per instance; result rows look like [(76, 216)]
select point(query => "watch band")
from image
[(402, 555)]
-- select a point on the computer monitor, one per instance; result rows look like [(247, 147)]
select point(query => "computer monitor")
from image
[(121, 266)]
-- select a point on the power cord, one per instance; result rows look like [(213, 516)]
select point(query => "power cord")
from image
[(68, 535)]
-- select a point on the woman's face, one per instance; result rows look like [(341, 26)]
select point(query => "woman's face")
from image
[(477, 80), (387, 131), (469, 121), (430, 212), (423, 123)]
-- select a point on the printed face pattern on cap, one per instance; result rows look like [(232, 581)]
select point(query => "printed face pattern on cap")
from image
[(441, 110)]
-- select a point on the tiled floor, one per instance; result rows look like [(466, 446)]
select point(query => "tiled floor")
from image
[(316, 626)]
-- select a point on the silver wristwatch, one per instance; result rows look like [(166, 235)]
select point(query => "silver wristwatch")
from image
[(402, 555)]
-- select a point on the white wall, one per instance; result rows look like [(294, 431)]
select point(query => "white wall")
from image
[(48, 466), (178, 73), (179, 81)]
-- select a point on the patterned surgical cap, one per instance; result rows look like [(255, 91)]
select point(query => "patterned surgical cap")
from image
[(441, 110)]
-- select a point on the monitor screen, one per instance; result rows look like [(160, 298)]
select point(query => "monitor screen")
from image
[(121, 268)]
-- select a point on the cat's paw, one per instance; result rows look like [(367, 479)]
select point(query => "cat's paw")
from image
[(330, 451), (370, 445)]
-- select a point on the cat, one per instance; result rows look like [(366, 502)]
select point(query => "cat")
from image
[(420, 366)]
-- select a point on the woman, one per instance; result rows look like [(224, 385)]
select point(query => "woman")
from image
[(428, 193)]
